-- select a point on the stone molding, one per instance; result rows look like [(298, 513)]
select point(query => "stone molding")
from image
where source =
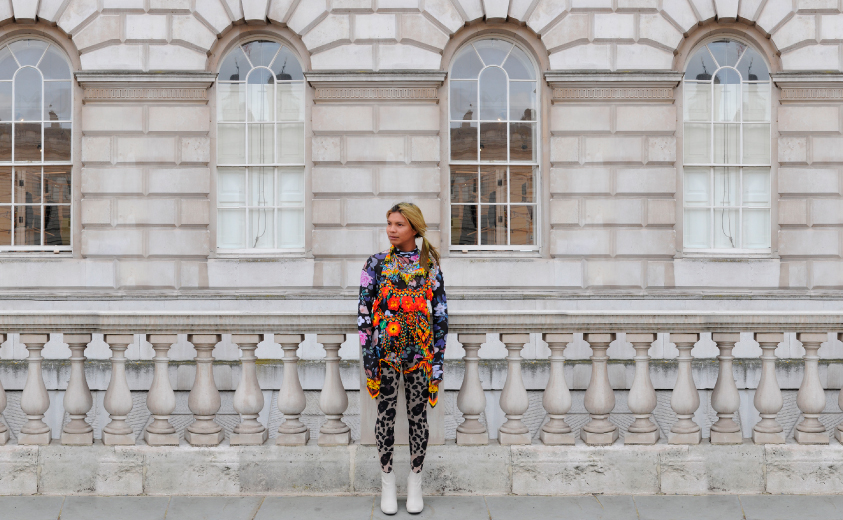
[(586, 86), (376, 86), (118, 86), (623, 93), (369, 93), (807, 87), (151, 94)]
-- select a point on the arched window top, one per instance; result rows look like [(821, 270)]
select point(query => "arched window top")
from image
[(475, 57), (745, 63), (275, 60)]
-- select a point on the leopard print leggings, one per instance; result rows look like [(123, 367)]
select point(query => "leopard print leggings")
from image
[(416, 392)]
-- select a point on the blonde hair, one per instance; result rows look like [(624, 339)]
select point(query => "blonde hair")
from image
[(416, 219)]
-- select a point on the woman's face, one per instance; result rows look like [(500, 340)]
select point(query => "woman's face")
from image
[(401, 234)]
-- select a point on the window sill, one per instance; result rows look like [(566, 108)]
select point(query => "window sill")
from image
[(18, 255), (494, 253), (259, 255), (728, 255)]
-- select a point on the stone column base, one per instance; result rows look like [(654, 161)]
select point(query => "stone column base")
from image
[(4, 437), (641, 437), (509, 439), (31, 439), (334, 439), (77, 439), (685, 438), (600, 439), (161, 439), (292, 439), (472, 439), (204, 439), (123, 439), (837, 435), (557, 439), (726, 437), (768, 438), (249, 439), (811, 438)]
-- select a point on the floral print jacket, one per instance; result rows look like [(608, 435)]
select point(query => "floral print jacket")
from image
[(381, 336)]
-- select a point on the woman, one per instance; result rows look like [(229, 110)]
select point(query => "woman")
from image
[(403, 323)]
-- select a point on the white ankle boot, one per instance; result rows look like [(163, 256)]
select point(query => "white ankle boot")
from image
[(389, 493), (415, 502)]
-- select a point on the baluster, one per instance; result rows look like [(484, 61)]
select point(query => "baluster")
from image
[(204, 398), (471, 400), (161, 400), (685, 399), (768, 396), (642, 395), (599, 396), (725, 398), (838, 432), (291, 400), (4, 430), (332, 400), (118, 398), (34, 401), (248, 398), (77, 398), (514, 400), (557, 398), (811, 397)]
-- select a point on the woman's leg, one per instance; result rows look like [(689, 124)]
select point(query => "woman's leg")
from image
[(416, 392), (385, 425)]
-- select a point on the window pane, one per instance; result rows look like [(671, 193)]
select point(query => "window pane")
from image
[(286, 66), (697, 101), (463, 225), (232, 101), (756, 102), (519, 66), (752, 66), (235, 66), (522, 141), (231, 187), (27, 225), (56, 225), (6, 101), (261, 53), (756, 143), (260, 95), (464, 141), (290, 228), (467, 65), (290, 101), (6, 185), (6, 225), (697, 231), (697, 186), (8, 65), (463, 184), (27, 185), (57, 105), (463, 100), (756, 187), (57, 138), (493, 52), (261, 187), (726, 143), (697, 145), (493, 225), (231, 144), (290, 143), (522, 185), (523, 225), (701, 66), (493, 185), (262, 228), (756, 228), (53, 65), (725, 228), (57, 185), (231, 226), (522, 100), (27, 141), (28, 52), (493, 94), (493, 142), (261, 150), (726, 52), (726, 182), (291, 185), (5, 142), (28, 95), (727, 96)]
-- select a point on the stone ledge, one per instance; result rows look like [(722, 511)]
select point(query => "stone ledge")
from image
[(451, 470)]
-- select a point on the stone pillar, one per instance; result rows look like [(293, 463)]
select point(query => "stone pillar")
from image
[(685, 398), (204, 398), (557, 398), (768, 396), (118, 398), (161, 400), (838, 432), (333, 400), (642, 395), (725, 398), (291, 400), (34, 401), (4, 431), (811, 397), (471, 400), (599, 396), (514, 401), (77, 398), (248, 398)]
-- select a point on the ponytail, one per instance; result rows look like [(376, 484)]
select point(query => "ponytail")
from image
[(429, 254)]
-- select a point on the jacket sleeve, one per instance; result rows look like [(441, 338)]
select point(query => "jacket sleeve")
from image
[(440, 325), (368, 290)]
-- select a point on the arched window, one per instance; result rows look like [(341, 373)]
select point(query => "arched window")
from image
[(36, 112), (494, 147), (727, 149), (260, 149)]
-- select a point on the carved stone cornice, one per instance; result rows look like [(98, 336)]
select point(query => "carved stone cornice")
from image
[(806, 86), (587, 86), (333, 86), (106, 86)]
